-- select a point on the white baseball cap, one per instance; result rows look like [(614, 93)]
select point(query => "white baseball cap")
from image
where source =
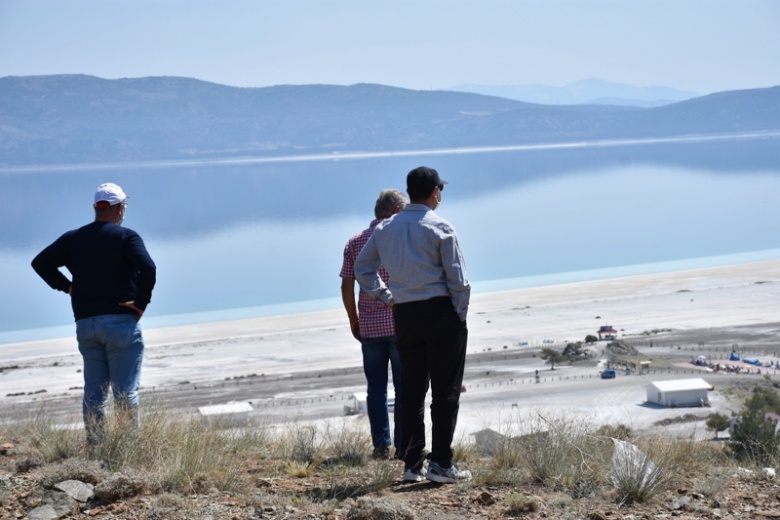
[(108, 194)]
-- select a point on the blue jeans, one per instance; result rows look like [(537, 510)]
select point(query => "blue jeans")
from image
[(113, 349), (377, 352)]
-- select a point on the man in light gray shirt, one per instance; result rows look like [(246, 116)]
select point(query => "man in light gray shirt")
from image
[(429, 294)]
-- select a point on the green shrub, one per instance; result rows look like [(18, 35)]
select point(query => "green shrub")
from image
[(754, 438), (717, 422)]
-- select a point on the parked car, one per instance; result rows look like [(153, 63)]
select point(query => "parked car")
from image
[(609, 373)]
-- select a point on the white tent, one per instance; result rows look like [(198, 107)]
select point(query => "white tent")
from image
[(679, 392), (360, 402), (231, 408)]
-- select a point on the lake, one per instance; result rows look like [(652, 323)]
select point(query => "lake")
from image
[(245, 238)]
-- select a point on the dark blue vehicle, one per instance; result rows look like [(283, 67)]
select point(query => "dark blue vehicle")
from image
[(609, 373)]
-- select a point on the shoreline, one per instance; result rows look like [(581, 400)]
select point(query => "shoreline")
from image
[(248, 160), (479, 290), (311, 364), (609, 295)]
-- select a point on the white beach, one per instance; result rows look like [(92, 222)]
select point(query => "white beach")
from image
[(305, 366)]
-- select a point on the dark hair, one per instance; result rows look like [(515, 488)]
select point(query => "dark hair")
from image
[(421, 181)]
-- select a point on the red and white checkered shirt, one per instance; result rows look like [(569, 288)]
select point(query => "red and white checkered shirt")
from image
[(376, 320)]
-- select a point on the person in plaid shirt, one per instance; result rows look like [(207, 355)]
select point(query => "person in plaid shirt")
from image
[(372, 325)]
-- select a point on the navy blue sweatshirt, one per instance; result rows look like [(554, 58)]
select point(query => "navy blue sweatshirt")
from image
[(109, 264)]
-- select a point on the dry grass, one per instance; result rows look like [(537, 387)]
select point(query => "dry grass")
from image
[(657, 463), (564, 453), (518, 503), (298, 442), (171, 457), (383, 508), (49, 441), (172, 452), (347, 445)]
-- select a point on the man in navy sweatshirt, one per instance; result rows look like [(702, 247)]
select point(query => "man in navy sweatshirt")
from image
[(112, 277)]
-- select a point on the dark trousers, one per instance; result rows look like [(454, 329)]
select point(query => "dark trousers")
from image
[(432, 344)]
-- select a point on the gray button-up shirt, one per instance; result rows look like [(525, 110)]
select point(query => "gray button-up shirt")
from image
[(421, 253)]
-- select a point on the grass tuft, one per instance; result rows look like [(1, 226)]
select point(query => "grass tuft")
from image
[(563, 453), (298, 443), (518, 504), (383, 508), (51, 441), (349, 445), (174, 457)]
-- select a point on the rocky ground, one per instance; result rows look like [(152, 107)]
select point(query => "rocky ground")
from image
[(33, 493)]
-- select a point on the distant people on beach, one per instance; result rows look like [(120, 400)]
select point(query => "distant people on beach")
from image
[(372, 325), (733, 368), (112, 277), (429, 293)]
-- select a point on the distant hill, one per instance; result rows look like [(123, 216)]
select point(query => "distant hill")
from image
[(83, 119), (588, 91)]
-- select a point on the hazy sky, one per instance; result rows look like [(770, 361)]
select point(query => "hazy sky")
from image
[(699, 45)]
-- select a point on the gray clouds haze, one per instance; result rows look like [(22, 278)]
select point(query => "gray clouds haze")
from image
[(699, 45)]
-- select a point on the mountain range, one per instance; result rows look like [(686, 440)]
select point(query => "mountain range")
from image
[(76, 119), (584, 92)]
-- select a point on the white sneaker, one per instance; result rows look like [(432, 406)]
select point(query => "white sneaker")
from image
[(412, 475), (446, 475)]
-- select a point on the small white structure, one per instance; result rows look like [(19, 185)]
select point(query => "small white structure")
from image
[(680, 392), (232, 408), (359, 404)]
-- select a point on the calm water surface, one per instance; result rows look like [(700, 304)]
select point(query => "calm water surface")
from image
[(247, 240)]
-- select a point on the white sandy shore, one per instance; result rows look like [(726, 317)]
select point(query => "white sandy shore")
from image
[(715, 298)]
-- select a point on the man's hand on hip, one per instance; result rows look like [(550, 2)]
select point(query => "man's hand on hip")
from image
[(131, 305)]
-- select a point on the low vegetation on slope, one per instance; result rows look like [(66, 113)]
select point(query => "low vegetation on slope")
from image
[(544, 465)]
